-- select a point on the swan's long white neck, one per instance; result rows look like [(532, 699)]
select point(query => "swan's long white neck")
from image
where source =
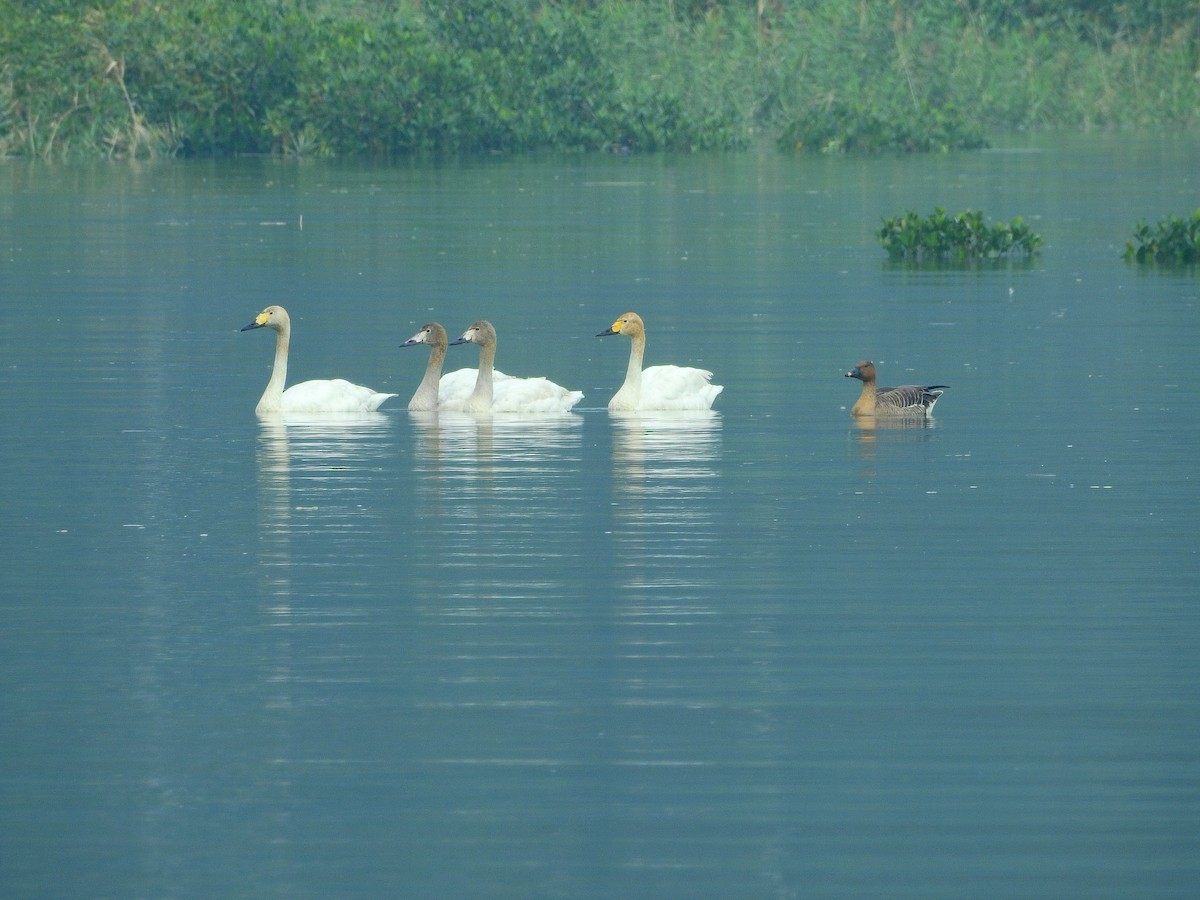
[(630, 394), (426, 396), (481, 398), (637, 350), (272, 398)]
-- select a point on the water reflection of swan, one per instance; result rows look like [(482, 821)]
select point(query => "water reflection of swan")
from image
[(666, 537), (454, 445), (274, 504), (316, 396), (313, 473), (675, 442), (486, 486), (319, 441), (311, 468), (664, 466), (314, 456)]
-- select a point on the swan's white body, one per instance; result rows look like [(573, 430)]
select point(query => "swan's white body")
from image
[(498, 393), (457, 386), (438, 391), (320, 396), (658, 387)]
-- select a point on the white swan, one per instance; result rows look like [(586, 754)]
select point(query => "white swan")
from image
[(491, 394), (321, 396), (658, 387), (438, 391)]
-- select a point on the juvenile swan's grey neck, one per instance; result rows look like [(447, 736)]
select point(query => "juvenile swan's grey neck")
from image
[(426, 395), (481, 398)]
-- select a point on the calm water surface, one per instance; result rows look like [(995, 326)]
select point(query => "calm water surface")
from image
[(758, 653)]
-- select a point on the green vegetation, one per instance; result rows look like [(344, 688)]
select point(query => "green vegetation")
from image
[(841, 127), (132, 78), (1172, 241), (962, 237)]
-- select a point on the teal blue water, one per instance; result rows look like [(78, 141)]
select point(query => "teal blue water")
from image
[(760, 653)]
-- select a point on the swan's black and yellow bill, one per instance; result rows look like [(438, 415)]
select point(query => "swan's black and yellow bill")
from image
[(259, 321), (615, 328)]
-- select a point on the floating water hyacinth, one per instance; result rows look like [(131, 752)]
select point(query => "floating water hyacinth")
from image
[(1172, 240), (965, 236)]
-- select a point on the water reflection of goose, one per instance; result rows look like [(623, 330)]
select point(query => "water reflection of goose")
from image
[(915, 425), (318, 396), (512, 395), (871, 431)]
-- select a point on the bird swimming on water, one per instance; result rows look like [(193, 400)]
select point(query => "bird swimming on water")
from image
[(663, 387), (905, 400), (318, 396)]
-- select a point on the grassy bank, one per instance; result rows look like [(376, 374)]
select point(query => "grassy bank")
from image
[(133, 78)]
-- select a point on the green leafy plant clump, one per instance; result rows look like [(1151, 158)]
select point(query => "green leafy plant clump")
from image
[(1171, 241), (963, 237), (847, 128)]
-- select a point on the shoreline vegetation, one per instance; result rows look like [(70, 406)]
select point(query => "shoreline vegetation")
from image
[(324, 78)]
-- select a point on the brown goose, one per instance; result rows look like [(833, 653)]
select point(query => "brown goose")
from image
[(906, 400)]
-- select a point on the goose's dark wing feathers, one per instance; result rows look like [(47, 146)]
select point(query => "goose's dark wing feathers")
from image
[(915, 397)]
